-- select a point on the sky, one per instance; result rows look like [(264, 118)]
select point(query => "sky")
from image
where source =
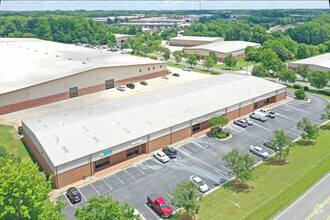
[(27, 5)]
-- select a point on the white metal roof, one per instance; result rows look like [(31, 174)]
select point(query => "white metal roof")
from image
[(320, 60), (225, 46), (196, 38), (94, 128), (124, 35), (26, 62)]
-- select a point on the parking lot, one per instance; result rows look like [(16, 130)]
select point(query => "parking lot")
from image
[(201, 157)]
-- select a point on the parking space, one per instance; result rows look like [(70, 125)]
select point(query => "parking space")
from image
[(201, 157)]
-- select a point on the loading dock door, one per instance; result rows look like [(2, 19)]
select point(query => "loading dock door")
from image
[(109, 84), (73, 92)]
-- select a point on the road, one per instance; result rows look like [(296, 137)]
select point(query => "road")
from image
[(201, 157), (314, 204)]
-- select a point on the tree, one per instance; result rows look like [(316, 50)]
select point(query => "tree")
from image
[(183, 196), (214, 56), (302, 51), (177, 56), (326, 115), (319, 79), (104, 208), (300, 94), (191, 60), (218, 121), (198, 57), (311, 131), (240, 164), (230, 61), (260, 71), (287, 75), (24, 193), (268, 57), (166, 55), (208, 62), (303, 70), (279, 141)]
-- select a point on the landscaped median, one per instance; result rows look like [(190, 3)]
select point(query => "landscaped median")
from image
[(180, 66), (274, 186)]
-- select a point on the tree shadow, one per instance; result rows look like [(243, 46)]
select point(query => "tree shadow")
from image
[(325, 127), (303, 143), (230, 187)]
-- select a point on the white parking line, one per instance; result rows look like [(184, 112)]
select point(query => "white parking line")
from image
[(220, 174), (118, 179), (157, 161), (107, 183), (212, 178), (225, 168), (82, 195), (94, 188), (152, 212), (191, 148), (68, 200), (148, 165), (140, 171), (170, 195), (129, 174)]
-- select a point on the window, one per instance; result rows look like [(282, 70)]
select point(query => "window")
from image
[(73, 92), (196, 128), (153, 68), (267, 101), (132, 151), (255, 105), (109, 84), (160, 66), (140, 70), (148, 69), (102, 162)]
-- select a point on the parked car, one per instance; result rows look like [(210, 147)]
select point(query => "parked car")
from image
[(170, 152), (247, 121), (239, 122), (144, 83), (259, 116), (121, 88), (73, 194), (165, 77), (186, 69), (259, 151), (176, 74), (160, 205), (161, 156), (130, 85), (269, 144), (202, 186), (268, 113)]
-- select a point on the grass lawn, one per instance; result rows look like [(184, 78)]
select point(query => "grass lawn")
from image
[(192, 68), (313, 91), (240, 63), (11, 141), (275, 186)]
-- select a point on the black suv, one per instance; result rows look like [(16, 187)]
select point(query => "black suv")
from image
[(170, 152), (144, 83), (176, 74), (73, 194), (130, 85)]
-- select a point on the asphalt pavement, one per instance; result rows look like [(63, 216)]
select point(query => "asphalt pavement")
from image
[(201, 157)]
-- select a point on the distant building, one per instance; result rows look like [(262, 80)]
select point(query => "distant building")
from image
[(189, 41), (121, 38), (36, 72), (222, 49), (320, 62), (151, 24)]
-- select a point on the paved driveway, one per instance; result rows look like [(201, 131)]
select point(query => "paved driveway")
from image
[(200, 157)]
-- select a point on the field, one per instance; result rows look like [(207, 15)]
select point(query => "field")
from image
[(274, 186)]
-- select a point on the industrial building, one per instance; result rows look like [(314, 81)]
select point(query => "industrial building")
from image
[(320, 62), (190, 41), (36, 72), (222, 49), (121, 38), (80, 142)]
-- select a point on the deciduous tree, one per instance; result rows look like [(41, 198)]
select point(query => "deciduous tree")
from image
[(310, 131), (287, 75), (319, 79), (303, 71), (191, 60), (177, 56), (208, 62), (279, 142), (260, 71), (230, 61), (219, 121), (105, 208), (326, 115)]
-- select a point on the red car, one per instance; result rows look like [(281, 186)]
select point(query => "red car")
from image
[(160, 205)]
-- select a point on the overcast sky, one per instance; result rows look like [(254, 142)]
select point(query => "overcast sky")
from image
[(10, 5)]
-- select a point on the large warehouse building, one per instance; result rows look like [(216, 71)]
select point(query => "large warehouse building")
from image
[(85, 140), (321, 62), (36, 72), (190, 41), (222, 49)]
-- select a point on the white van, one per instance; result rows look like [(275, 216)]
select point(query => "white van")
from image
[(259, 116)]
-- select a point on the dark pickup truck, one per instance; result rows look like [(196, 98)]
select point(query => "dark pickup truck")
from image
[(160, 205)]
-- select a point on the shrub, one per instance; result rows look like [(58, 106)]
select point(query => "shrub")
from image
[(306, 88), (215, 73), (297, 86), (169, 71), (325, 92), (300, 94), (222, 135), (153, 57)]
